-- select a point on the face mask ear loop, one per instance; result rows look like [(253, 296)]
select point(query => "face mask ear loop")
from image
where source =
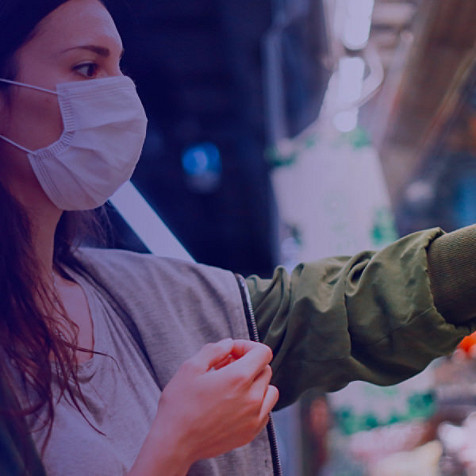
[(38, 88), (18, 146)]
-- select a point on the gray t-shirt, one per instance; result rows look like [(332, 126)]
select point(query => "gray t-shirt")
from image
[(120, 403), (173, 308)]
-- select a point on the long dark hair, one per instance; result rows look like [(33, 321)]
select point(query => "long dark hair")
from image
[(28, 341)]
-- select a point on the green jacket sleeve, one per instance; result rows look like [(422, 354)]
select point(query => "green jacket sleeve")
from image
[(370, 317)]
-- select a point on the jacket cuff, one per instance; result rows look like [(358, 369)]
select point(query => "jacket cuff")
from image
[(452, 272)]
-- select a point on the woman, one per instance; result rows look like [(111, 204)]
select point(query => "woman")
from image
[(127, 364)]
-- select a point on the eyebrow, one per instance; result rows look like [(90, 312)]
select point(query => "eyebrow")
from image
[(99, 50)]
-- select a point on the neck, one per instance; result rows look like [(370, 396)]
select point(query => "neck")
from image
[(43, 230)]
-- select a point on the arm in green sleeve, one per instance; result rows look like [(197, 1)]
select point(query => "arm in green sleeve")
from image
[(370, 317)]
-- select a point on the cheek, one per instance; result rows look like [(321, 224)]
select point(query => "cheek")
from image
[(16, 174), (35, 119)]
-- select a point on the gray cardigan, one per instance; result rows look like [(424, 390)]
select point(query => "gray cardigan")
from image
[(172, 308)]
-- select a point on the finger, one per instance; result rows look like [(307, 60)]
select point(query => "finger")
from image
[(209, 356), (243, 346), (253, 362), (227, 360), (264, 377), (263, 424), (260, 385), (240, 348), (269, 402), (270, 399)]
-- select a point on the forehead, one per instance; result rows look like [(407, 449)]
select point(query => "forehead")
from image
[(73, 23)]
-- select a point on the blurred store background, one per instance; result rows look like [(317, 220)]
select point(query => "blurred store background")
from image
[(289, 130)]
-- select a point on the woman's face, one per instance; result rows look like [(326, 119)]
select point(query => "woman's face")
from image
[(76, 42)]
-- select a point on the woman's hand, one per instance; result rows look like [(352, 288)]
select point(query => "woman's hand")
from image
[(218, 400)]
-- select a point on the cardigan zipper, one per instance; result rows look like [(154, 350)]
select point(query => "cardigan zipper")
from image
[(253, 331)]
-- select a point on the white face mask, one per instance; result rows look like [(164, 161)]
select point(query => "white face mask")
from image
[(104, 131)]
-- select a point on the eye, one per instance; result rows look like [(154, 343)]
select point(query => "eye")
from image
[(88, 70)]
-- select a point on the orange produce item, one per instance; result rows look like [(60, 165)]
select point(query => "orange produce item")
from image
[(468, 343)]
